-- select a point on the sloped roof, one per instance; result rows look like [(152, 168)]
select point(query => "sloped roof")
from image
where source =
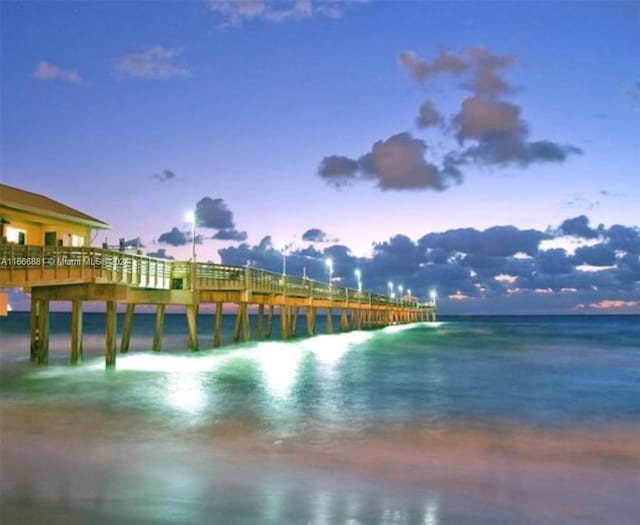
[(39, 204)]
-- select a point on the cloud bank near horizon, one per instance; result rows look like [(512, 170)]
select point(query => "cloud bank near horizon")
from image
[(502, 269), (569, 269)]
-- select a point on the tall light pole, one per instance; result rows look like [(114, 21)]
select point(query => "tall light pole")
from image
[(329, 263), (400, 288), (390, 286), (284, 260), (190, 217), (359, 278), (433, 296), (409, 294)]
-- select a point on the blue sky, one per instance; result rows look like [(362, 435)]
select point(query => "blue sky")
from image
[(136, 111)]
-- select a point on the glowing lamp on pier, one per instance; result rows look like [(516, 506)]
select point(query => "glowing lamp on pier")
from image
[(390, 285), (359, 278), (190, 217), (329, 263), (284, 250)]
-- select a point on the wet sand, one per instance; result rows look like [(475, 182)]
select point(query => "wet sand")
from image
[(76, 466)]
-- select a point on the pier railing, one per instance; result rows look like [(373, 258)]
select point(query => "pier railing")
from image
[(25, 266), (28, 266)]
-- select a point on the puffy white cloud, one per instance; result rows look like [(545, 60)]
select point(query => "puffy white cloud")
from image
[(46, 71), (154, 63)]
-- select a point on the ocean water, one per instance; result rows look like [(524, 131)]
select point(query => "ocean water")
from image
[(478, 420)]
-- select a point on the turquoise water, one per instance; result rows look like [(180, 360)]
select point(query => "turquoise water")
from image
[(467, 420)]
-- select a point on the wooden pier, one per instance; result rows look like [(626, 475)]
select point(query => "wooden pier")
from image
[(79, 274)]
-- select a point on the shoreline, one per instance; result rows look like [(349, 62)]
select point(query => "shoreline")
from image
[(559, 476)]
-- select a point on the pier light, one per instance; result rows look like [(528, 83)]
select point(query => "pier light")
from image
[(190, 217), (390, 285), (284, 250), (400, 288), (433, 296), (359, 277), (329, 263)]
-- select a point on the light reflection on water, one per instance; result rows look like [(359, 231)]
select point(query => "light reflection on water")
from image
[(186, 382)]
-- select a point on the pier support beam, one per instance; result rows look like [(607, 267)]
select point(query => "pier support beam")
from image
[(40, 331), (76, 331), (344, 323), (294, 323), (110, 336), (356, 318), (246, 328), (159, 328), (311, 320), (242, 323), (269, 321), (284, 322), (329, 327), (34, 329), (259, 321), (192, 324), (126, 329), (238, 325), (217, 328), (43, 331)]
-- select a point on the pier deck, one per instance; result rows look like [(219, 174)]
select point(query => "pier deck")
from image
[(79, 274)]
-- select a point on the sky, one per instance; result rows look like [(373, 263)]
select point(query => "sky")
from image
[(487, 150)]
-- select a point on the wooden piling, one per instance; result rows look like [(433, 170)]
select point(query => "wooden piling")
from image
[(126, 329), (246, 328), (311, 320), (35, 329), (269, 321), (192, 325), (159, 328), (344, 324), (110, 336), (284, 322), (43, 332), (294, 323), (238, 325), (259, 321), (329, 327), (217, 329), (76, 331)]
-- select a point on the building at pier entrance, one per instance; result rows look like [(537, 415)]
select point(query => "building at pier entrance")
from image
[(32, 219)]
